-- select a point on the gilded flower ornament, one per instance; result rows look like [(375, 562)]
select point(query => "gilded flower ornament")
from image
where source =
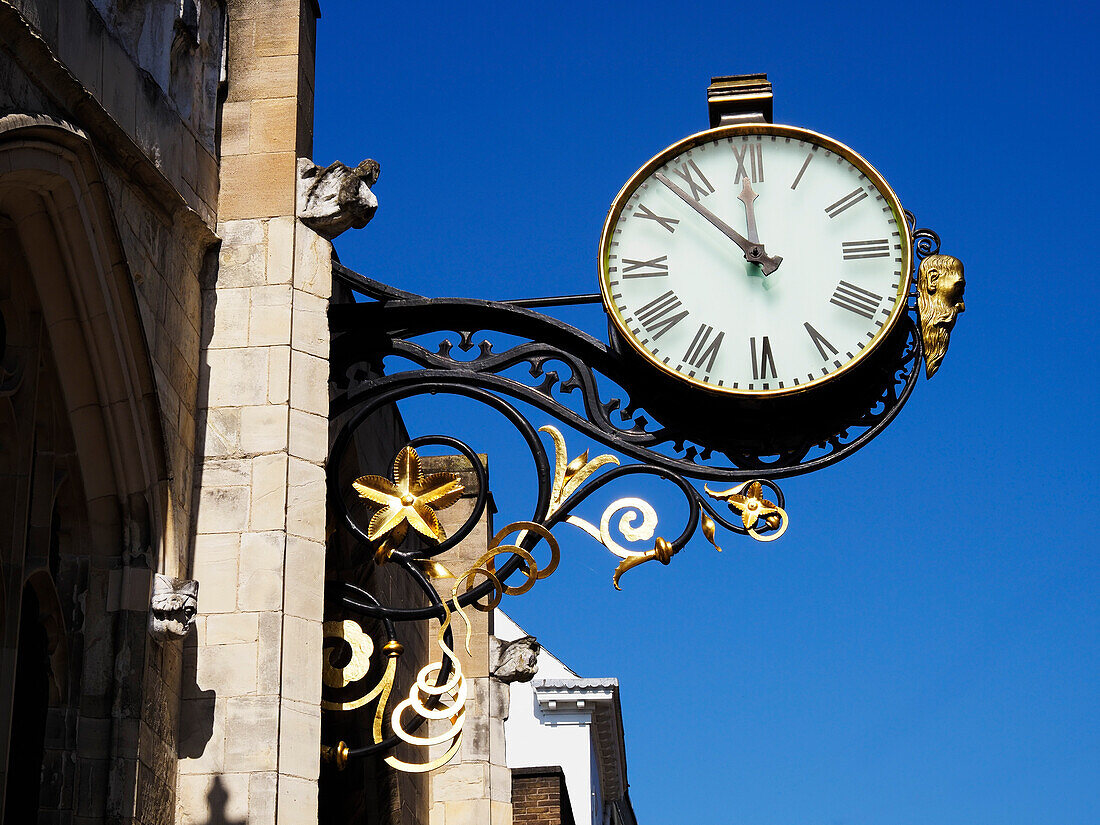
[(747, 500), (412, 498)]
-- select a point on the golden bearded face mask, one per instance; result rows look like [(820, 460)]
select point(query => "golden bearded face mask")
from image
[(940, 287)]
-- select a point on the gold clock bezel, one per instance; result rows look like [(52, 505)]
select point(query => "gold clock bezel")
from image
[(769, 129)]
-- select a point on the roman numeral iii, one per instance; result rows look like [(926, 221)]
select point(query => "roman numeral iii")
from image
[(703, 349), (654, 267), (689, 171), (750, 162), (659, 315), (855, 250), (764, 361), (856, 299)]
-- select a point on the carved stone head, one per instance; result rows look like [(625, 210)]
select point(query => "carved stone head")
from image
[(336, 198), (518, 660), (173, 607), (940, 287)]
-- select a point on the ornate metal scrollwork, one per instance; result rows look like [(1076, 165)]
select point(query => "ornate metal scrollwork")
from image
[(724, 461)]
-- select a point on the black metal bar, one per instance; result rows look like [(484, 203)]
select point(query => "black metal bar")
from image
[(368, 286), (554, 301)]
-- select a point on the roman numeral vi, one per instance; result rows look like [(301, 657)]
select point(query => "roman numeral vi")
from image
[(764, 361)]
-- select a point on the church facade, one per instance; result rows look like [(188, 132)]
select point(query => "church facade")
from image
[(166, 268)]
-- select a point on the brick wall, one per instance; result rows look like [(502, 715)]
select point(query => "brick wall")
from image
[(539, 797)]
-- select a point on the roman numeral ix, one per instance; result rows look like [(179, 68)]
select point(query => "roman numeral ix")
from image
[(659, 315), (667, 223), (645, 269), (855, 250), (750, 162), (698, 190), (849, 200), (703, 349), (763, 362), (856, 299)]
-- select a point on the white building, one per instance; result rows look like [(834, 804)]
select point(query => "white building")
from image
[(560, 720)]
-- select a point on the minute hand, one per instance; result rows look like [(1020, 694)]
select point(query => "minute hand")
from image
[(754, 252)]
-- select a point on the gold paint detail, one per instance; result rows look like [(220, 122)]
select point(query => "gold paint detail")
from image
[(747, 500), (335, 754), (662, 551), (412, 498), (434, 569), (709, 530), (449, 701), (362, 647), (940, 287), (627, 526), (739, 130), (393, 648)]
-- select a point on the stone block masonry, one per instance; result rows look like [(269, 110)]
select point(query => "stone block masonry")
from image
[(251, 717)]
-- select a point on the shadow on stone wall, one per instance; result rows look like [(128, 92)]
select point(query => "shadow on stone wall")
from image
[(217, 801), (197, 717)]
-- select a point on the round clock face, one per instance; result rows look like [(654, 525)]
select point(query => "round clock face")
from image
[(755, 259)]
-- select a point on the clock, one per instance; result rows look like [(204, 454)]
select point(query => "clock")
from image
[(755, 260)]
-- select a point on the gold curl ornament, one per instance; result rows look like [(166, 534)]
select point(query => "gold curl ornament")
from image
[(355, 670), (361, 645), (447, 702), (486, 566)]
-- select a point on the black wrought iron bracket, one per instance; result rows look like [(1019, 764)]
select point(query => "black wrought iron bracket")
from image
[(392, 345)]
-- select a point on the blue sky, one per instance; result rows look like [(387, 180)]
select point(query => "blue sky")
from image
[(923, 645)]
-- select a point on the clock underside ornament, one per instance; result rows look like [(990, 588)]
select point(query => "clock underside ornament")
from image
[(767, 320)]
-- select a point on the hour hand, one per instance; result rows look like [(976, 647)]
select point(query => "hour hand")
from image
[(747, 197), (754, 252)]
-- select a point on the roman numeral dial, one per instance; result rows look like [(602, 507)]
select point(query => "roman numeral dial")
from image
[(684, 291)]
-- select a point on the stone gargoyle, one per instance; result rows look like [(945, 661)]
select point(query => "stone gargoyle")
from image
[(518, 660), (337, 197), (173, 607)]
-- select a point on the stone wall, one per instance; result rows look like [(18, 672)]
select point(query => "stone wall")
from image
[(146, 118), (250, 733), (139, 74)]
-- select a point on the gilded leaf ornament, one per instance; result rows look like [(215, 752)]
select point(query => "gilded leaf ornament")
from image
[(412, 498), (569, 475)]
